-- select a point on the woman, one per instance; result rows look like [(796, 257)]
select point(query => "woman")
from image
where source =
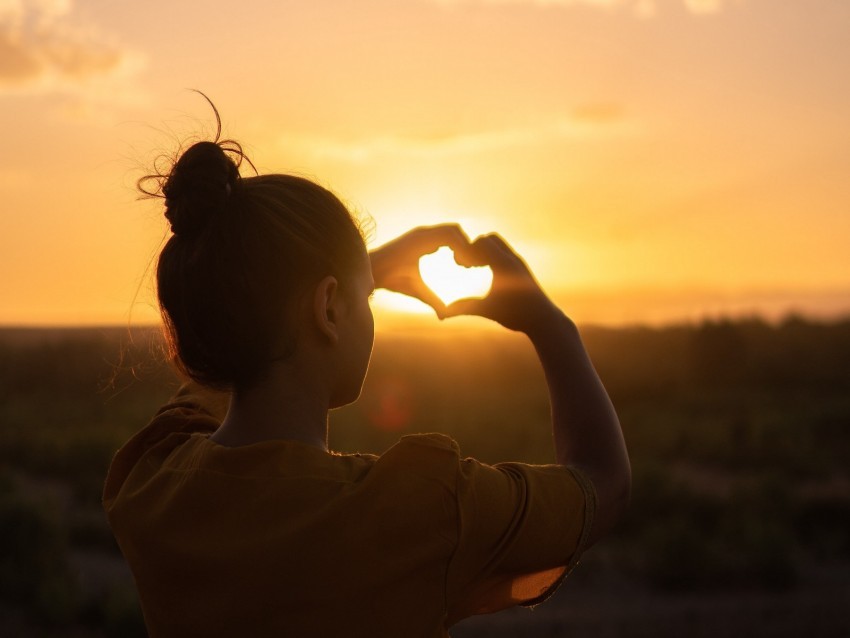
[(235, 517)]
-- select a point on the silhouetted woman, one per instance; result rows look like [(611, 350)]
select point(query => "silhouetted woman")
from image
[(237, 520)]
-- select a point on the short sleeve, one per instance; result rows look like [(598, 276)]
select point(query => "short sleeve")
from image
[(521, 528), (192, 409), (194, 396)]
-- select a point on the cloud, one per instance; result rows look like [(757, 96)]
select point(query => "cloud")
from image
[(591, 120), (598, 112), (641, 8), (704, 6), (415, 146), (42, 49)]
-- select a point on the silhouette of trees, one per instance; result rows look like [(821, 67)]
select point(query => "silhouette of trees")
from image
[(739, 433)]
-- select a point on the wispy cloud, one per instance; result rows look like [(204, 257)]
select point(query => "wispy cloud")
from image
[(642, 8), (591, 120), (704, 6), (44, 49)]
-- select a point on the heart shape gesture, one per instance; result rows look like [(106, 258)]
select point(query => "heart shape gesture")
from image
[(450, 281), (396, 265), (512, 297)]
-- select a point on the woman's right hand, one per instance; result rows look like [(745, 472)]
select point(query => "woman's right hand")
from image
[(516, 300), (395, 265)]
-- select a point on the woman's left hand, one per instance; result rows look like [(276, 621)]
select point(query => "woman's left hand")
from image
[(395, 265)]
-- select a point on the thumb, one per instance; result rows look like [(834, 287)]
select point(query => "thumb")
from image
[(463, 307), (428, 296)]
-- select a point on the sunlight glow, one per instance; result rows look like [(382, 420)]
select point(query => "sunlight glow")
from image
[(452, 282), (393, 302), (630, 201)]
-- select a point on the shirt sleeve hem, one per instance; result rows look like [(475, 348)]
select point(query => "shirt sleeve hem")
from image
[(589, 492)]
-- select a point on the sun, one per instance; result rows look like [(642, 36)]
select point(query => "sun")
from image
[(450, 281)]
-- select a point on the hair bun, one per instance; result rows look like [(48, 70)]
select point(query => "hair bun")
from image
[(198, 188)]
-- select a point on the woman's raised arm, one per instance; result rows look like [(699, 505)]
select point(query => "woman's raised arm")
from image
[(586, 428)]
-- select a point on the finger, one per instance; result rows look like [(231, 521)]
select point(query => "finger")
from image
[(497, 242), (493, 251), (427, 239), (424, 294), (486, 250), (509, 256), (464, 307), (472, 254), (413, 286)]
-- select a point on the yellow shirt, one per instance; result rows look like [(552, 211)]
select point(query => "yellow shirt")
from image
[(283, 539)]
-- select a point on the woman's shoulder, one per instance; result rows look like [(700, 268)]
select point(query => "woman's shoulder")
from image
[(191, 410), (193, 398), (432, 457), (433, 440), (428, 447)]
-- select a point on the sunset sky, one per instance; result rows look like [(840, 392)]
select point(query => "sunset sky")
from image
[(653, 160)]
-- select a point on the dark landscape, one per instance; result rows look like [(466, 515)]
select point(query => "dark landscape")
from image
[(739, 433)]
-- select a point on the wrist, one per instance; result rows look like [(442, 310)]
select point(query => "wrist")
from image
[(550, 323)]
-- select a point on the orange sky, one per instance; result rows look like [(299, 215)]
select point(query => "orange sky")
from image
[(654, 160)]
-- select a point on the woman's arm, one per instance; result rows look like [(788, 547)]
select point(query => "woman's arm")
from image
[(586, 428)]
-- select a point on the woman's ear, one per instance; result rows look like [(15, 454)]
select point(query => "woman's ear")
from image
[(326, 308)]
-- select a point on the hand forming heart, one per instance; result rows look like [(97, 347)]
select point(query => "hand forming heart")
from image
[(396, 265), (450, 281), (511, 295)]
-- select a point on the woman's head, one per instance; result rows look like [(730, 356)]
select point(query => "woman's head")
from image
[(244, 252)]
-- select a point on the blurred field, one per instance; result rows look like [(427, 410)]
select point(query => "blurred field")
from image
[(739, 435)]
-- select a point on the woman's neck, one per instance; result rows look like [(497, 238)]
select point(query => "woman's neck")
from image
[(287, 404)]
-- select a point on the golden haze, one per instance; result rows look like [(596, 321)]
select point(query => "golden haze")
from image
[(652, 162)]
